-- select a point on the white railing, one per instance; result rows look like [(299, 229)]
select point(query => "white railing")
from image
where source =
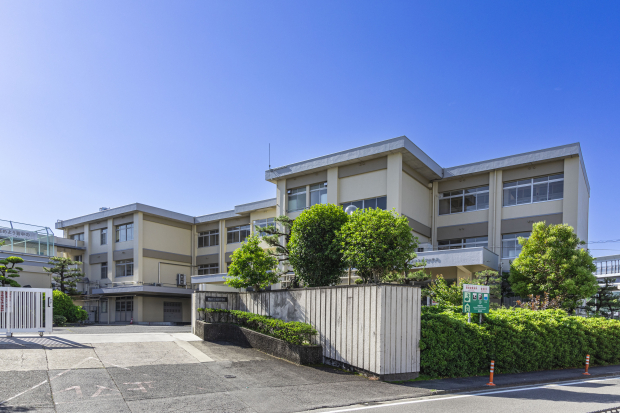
[(26, 310)]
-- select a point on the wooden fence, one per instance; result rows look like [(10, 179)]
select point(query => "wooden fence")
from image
[(373, 328)]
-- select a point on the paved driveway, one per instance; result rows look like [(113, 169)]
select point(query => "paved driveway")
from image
[(155, 369)]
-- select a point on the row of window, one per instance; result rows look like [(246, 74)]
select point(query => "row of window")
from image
[(380, 203), (297, 196), (510, 244), (234, 234), (124, 268), (464, 200), (123, 233), (208, 269)]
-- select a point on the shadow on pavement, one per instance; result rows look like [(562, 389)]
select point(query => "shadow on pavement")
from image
[(51, 342)]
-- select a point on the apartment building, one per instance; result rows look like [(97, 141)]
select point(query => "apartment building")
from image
[(35, 244), (139, 259)]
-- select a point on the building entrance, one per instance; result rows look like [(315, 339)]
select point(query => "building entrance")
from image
[(124, 309), (173, 312)]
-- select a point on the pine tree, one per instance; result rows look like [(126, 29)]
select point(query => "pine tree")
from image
[(604, 303), (66, 273), (277, 237)]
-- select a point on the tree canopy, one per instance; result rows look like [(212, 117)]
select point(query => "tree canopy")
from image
[(252, 266), (8, 271), (378, 243), (552, 262), (66, 273), (314, 251)]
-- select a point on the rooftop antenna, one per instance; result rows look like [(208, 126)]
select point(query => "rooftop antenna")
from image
[(270, 156)]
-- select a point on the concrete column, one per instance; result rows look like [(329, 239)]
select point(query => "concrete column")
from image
[(332, 186), (85, 257), (110, 248), (281, 197), (434, 213), (138, 244), (222, 263), (395, 182), (495, 214), (194, 244), (307, 196), (570, 205)]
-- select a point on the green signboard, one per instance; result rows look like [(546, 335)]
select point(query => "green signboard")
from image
[(475, 299)]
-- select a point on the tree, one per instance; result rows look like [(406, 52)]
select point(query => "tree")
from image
[(252, 266), (277, 237), (445, 294), (378, 243), (605, 302), (493, 280), (63, 306), (8, 270), (66, 273), (314, 252), (551, 262)]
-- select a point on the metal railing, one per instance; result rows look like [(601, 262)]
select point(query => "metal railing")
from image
[(607, 267)]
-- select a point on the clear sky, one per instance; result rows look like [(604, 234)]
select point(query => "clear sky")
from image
[(173, 104)]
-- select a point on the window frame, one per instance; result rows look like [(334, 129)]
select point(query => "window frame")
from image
[(78, 237), (126, 229), (262, 223), (207, 269), (462, 194), (344, 205), (102, 273), (320, 189), (210, 235), (301, 191), (126, 264), (514, 237), (242, 231), (520, 184), (463, 243), (103, 237)]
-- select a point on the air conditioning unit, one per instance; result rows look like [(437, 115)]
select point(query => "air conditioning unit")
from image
[(181, 279)]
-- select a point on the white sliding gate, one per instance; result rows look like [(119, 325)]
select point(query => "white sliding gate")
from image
[(26, 310)]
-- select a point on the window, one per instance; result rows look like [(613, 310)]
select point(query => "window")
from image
[(380, 203), (464, 200), (238, 234), (527, 191), (209, 238), (104, 306), (452, 244), (208, 269), (104, 270), (104, 236), (124, 268), (77, 258), (318, 194), (297, 199), (510, 244), (124, 232), (78, 237), (262, 223)]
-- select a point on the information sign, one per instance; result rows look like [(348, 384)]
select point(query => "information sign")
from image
[(476, 298)]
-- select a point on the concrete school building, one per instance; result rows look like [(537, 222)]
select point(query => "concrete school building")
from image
[(141, 262), (35, 244)]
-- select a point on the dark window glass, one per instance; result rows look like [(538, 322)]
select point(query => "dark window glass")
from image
[(370, 203), (456, 205), (382, 203), (540, 192), (556, 190), (510, 196), (524, 195), (470, 202), (483, 200), (444, 206)]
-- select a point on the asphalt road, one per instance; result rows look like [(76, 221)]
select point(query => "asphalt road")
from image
[(578, 397)]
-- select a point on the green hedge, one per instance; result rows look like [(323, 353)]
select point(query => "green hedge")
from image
[(63, 305), (292, 332), (519, 340)]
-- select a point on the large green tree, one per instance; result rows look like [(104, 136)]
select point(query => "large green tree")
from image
[(66, 272), (8, 271), (552, 262), (252, 266), (314, 251), (378, 243)]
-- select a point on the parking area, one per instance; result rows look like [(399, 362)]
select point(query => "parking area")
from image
[(152, 368)]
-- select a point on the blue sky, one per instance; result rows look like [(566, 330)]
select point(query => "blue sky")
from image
[(173, 104)]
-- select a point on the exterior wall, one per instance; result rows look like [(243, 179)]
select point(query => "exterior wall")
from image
[(416, 200), (33, 276), (152, 308), (169, 270), (167, 238), (462, 218), (529, 210), (363, 186)]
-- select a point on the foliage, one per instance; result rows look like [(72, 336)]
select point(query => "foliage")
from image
[(493, 280), (63, 305), (552, 262), (519, 340), (8, 271), (314, 252), (66, 273), (445, 294), (59, 320), (252, 266), (605, 302), (293, 332), (277, 237), (537, 303), (201, 313), (378, 243)]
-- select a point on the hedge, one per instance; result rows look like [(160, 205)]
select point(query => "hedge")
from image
[(293, 332), (518, 340), (63, 305)]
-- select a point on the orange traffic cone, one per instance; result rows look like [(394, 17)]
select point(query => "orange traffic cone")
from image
[(587, 365), (490, 383)]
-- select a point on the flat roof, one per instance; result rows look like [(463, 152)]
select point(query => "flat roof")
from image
[(413, 156)]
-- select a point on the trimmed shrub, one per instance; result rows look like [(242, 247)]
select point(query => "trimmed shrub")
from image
[(293, 332), (63, 305), (59, 320), (518, 340)]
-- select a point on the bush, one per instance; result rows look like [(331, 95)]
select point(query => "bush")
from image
[(59, 320), (293, 332), (63, 306), (518, 340)]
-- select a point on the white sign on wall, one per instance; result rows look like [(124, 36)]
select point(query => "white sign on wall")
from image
[(18, 233), (472, 288)]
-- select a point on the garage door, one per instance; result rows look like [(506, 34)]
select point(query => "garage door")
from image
[(172, 312)]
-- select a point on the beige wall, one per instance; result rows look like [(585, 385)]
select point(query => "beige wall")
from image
[(416, 200), (36, 277), (169, 271), (462, 218), (167, 238), (528, 210), (153, 308), (368, 185), (94, 242)]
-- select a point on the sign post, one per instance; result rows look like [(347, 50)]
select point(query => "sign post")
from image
[(475, 300)]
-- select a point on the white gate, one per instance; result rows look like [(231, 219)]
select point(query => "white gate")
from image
[(26, 310)]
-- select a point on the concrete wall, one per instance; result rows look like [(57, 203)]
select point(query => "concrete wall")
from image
[(372, 328), (363, 186), (416, 200)]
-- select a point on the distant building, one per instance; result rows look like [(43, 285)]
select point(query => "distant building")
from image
[(139, 259)]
